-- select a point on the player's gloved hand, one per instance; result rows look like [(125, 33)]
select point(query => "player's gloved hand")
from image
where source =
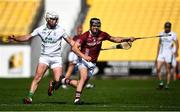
[(11, 38)]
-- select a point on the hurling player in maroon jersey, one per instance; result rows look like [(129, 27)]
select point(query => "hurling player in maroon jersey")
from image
[(90, 43), (73, 60)]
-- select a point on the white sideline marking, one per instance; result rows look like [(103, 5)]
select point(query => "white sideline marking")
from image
[(137, 106), (104, 106)]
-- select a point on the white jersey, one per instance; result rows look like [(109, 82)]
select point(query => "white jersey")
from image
[(166, 42), (51, 39)]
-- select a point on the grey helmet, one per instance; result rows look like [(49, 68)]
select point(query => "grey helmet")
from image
[(51, 15)]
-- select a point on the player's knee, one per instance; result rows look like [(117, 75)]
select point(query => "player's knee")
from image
[(168, 71), (158, 70)]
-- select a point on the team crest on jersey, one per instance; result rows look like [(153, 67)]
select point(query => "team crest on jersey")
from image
[(44, 31), (93, 41)]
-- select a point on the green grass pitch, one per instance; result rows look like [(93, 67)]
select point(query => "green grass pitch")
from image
[(108, 95)]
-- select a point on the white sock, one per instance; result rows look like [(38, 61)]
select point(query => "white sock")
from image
[(63, 80)]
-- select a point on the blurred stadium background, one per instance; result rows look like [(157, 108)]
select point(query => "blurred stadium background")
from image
[(119, 18)]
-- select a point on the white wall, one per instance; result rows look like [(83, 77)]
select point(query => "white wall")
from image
[(15, 61), (68, 11)]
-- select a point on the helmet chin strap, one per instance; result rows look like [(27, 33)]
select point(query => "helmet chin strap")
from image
[(94, 33), (51, 27), (167, 31)]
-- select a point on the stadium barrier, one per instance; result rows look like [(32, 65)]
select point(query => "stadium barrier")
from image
[(15, 61)]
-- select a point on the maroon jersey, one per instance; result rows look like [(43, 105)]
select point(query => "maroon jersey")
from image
[(91, 45)]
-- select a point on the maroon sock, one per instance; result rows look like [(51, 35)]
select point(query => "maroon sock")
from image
[(67, 81), (78, 95)]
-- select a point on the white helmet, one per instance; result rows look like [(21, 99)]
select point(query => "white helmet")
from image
[(52, 15)]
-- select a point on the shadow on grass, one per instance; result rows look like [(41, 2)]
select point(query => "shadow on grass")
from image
[(83, 103), (94, 103), (54, 102)]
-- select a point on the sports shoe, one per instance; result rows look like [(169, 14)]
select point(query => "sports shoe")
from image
[(51, 88), (27, 100), (78, 102), (89, 86), (161, 85), (166, 87), (64, 86)]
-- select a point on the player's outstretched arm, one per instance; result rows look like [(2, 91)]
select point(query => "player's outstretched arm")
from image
[(70, 41), (19, 38), (121, 39)]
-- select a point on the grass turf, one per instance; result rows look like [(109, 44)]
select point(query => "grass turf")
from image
[(108, 95)]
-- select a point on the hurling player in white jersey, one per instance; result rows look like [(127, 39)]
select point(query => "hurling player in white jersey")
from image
[(51, 35), (165, 53)]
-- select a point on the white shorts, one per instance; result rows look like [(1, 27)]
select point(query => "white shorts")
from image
[(165, 57), (52, 62), (89, 65), (72, 57)]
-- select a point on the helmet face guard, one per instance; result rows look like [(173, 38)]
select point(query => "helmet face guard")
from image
[(167, 27), (95, 22), (95, 25), (52, 19)]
